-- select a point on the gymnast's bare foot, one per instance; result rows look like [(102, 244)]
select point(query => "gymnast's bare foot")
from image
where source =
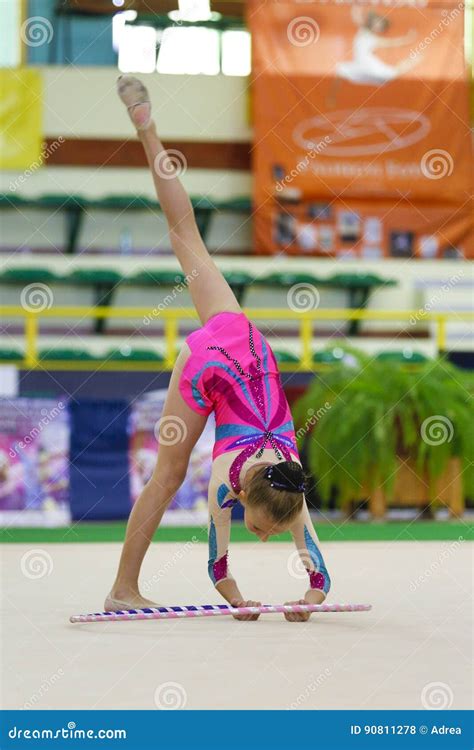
[(136, 98), (116, 603)]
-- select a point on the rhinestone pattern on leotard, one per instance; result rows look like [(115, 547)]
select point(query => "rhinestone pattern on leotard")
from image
[(242, 386), (226, 354), (256, 387), (266, 436), (236, 362)]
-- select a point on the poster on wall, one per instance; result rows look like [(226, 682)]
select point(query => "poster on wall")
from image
[(34, 462), (362, 129), (21, 114), (190, 503)]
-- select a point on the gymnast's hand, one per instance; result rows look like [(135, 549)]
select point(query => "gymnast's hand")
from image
[(249, 603), (297, 616), (312, 596)]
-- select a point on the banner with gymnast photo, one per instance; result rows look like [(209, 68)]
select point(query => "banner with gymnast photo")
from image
[(190, 503), (34, 462), (358, 104)]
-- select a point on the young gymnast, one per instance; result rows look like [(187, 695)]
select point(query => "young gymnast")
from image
[(227, 367)]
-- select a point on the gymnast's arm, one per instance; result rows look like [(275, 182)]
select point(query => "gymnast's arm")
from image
[(220, 517), (307, 544)]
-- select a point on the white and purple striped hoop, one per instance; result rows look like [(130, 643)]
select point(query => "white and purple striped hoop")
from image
[(213, 610)]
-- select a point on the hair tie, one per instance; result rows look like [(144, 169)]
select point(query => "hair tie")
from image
[(287, 475)]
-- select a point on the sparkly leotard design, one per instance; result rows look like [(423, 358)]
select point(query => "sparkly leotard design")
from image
[(242, 387), (232, 371)]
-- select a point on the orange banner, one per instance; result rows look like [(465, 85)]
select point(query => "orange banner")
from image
[(362, 110)]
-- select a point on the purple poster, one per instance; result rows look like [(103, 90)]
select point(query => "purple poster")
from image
[(190, 504), (34, 461)]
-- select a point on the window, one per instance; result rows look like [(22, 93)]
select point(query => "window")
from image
[(192, 10), (11, 35), (182, 49), (137, 50), (236, 57), (189, 50)]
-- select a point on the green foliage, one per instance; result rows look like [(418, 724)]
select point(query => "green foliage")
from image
[(379, 411)]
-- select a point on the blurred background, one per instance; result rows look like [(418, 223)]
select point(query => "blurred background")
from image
[(328, 151)]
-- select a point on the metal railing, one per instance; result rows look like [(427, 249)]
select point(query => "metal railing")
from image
[(306, 322)]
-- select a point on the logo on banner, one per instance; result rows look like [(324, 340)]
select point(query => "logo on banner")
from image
[(373, 130)]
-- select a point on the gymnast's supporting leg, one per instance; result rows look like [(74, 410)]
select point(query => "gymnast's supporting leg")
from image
[(169, 473)]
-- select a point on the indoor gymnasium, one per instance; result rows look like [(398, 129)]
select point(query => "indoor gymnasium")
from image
[(236, 354)]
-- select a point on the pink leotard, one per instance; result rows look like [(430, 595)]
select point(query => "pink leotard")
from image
[(233, 372)]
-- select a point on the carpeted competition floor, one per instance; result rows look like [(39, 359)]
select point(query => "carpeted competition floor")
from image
[(412, 649)]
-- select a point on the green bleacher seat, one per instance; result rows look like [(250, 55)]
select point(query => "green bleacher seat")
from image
[(95, 276), (351, 280), (28, 275), (127, 354), (238, 278), (123, 202), (241, 204), (10, 355), (203, 203), (239, 282), (406, 356), (283, 357), (154, 277), (77, 355), (59, 200), (288, 278), (74, 208), (11, 200)]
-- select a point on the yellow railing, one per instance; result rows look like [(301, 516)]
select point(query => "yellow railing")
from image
[(171, 317)]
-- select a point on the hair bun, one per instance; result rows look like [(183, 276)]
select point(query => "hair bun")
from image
[(286, 475)]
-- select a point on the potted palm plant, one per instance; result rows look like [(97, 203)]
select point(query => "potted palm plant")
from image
[(387, 431)]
